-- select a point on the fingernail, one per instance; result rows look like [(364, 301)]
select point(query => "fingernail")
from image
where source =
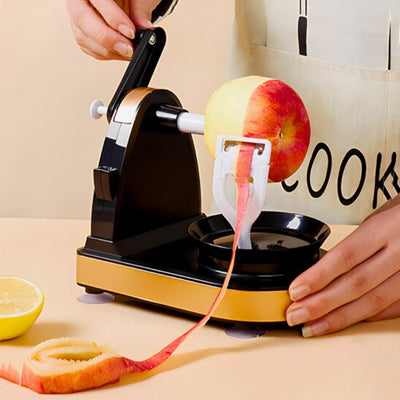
[(123, 49), (296, 317), (126, 31), (299, 292), (315, 329)]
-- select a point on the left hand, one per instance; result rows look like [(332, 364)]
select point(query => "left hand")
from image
[(357, 280)]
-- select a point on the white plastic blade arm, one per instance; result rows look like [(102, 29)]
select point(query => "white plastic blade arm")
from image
[(225, 162)]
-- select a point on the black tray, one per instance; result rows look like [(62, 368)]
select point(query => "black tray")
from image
[(283, 244)]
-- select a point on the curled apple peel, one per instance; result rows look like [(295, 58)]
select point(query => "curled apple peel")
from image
[(68, 365)]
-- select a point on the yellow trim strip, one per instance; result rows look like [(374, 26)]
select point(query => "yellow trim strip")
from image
[(237, 305)]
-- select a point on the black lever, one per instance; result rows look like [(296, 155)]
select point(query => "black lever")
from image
[(148, 45)]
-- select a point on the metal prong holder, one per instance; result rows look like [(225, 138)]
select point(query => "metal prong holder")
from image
[(225, 161)]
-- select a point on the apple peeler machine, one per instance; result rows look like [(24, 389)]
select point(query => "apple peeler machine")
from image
[(149, 238)]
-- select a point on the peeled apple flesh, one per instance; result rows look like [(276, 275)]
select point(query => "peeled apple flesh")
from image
[(263, 108)]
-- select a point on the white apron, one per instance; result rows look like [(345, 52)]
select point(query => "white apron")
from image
[(343, 58)]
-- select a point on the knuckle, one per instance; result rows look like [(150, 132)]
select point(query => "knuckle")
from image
[(344, 320), (378, 302), (318, 308), (345, 255), (80, 27), (339, 319), (100, 37), (80, 17), (359, 282), (392, 260)]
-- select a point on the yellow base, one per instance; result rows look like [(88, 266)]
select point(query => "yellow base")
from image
[(181, 294)]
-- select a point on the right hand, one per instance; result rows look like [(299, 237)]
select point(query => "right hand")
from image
[(102, 28)]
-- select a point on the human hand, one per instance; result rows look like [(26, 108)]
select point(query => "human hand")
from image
[(102, 28), (357, 280)]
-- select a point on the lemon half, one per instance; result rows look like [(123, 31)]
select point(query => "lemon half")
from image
[(21, 302)]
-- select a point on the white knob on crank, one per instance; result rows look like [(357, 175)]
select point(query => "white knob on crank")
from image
[(97, 109)]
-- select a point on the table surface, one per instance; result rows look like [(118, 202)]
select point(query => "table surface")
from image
[(360, 362)]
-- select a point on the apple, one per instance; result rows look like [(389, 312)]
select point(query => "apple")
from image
[(262, 108)]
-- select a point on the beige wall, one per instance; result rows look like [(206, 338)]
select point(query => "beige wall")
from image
[(48, 143)]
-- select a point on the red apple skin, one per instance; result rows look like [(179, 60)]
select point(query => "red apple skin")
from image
[(276, 112), (106, 372), (10, 373)]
